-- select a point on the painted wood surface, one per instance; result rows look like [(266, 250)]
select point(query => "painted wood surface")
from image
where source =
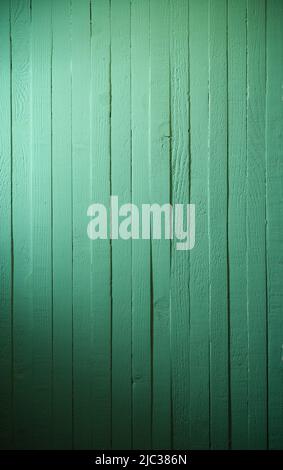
[(131, 343)]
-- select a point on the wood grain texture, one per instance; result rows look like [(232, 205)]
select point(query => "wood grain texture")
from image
[(159, 155), (22, 222), (62, 211), (41, 207), (217, 226), (141, 253), (101, 263), (6, 243), (83, 358), (237, 225), (119, 344), (121, 249), (199, 272), (179, 294), (256, 216), (274, 219)]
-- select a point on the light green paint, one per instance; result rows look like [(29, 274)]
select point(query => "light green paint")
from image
[(120, 344)]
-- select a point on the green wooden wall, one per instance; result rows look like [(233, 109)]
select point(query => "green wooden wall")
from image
[(119, 344)]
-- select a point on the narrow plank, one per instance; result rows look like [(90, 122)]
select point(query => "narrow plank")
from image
[(101, 249), (83, 362), (237, 97), (274, 145), (179, 301), (160, 194), (141, 289), (256, 272), (217, 181), (199, 273), (121, 250), (41, 225), (62, 225), (6, 247), (21, 187)]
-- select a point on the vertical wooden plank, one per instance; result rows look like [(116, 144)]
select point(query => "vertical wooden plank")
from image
[(237, 99), (217, 181), (41, 224), (62, 225), (83, 362), (141, 302), (179, 54), (274, 145), (160, 194), (256, 272), (199, 273), (21, 186), (121, 250), (6, 246), (101, 249)]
